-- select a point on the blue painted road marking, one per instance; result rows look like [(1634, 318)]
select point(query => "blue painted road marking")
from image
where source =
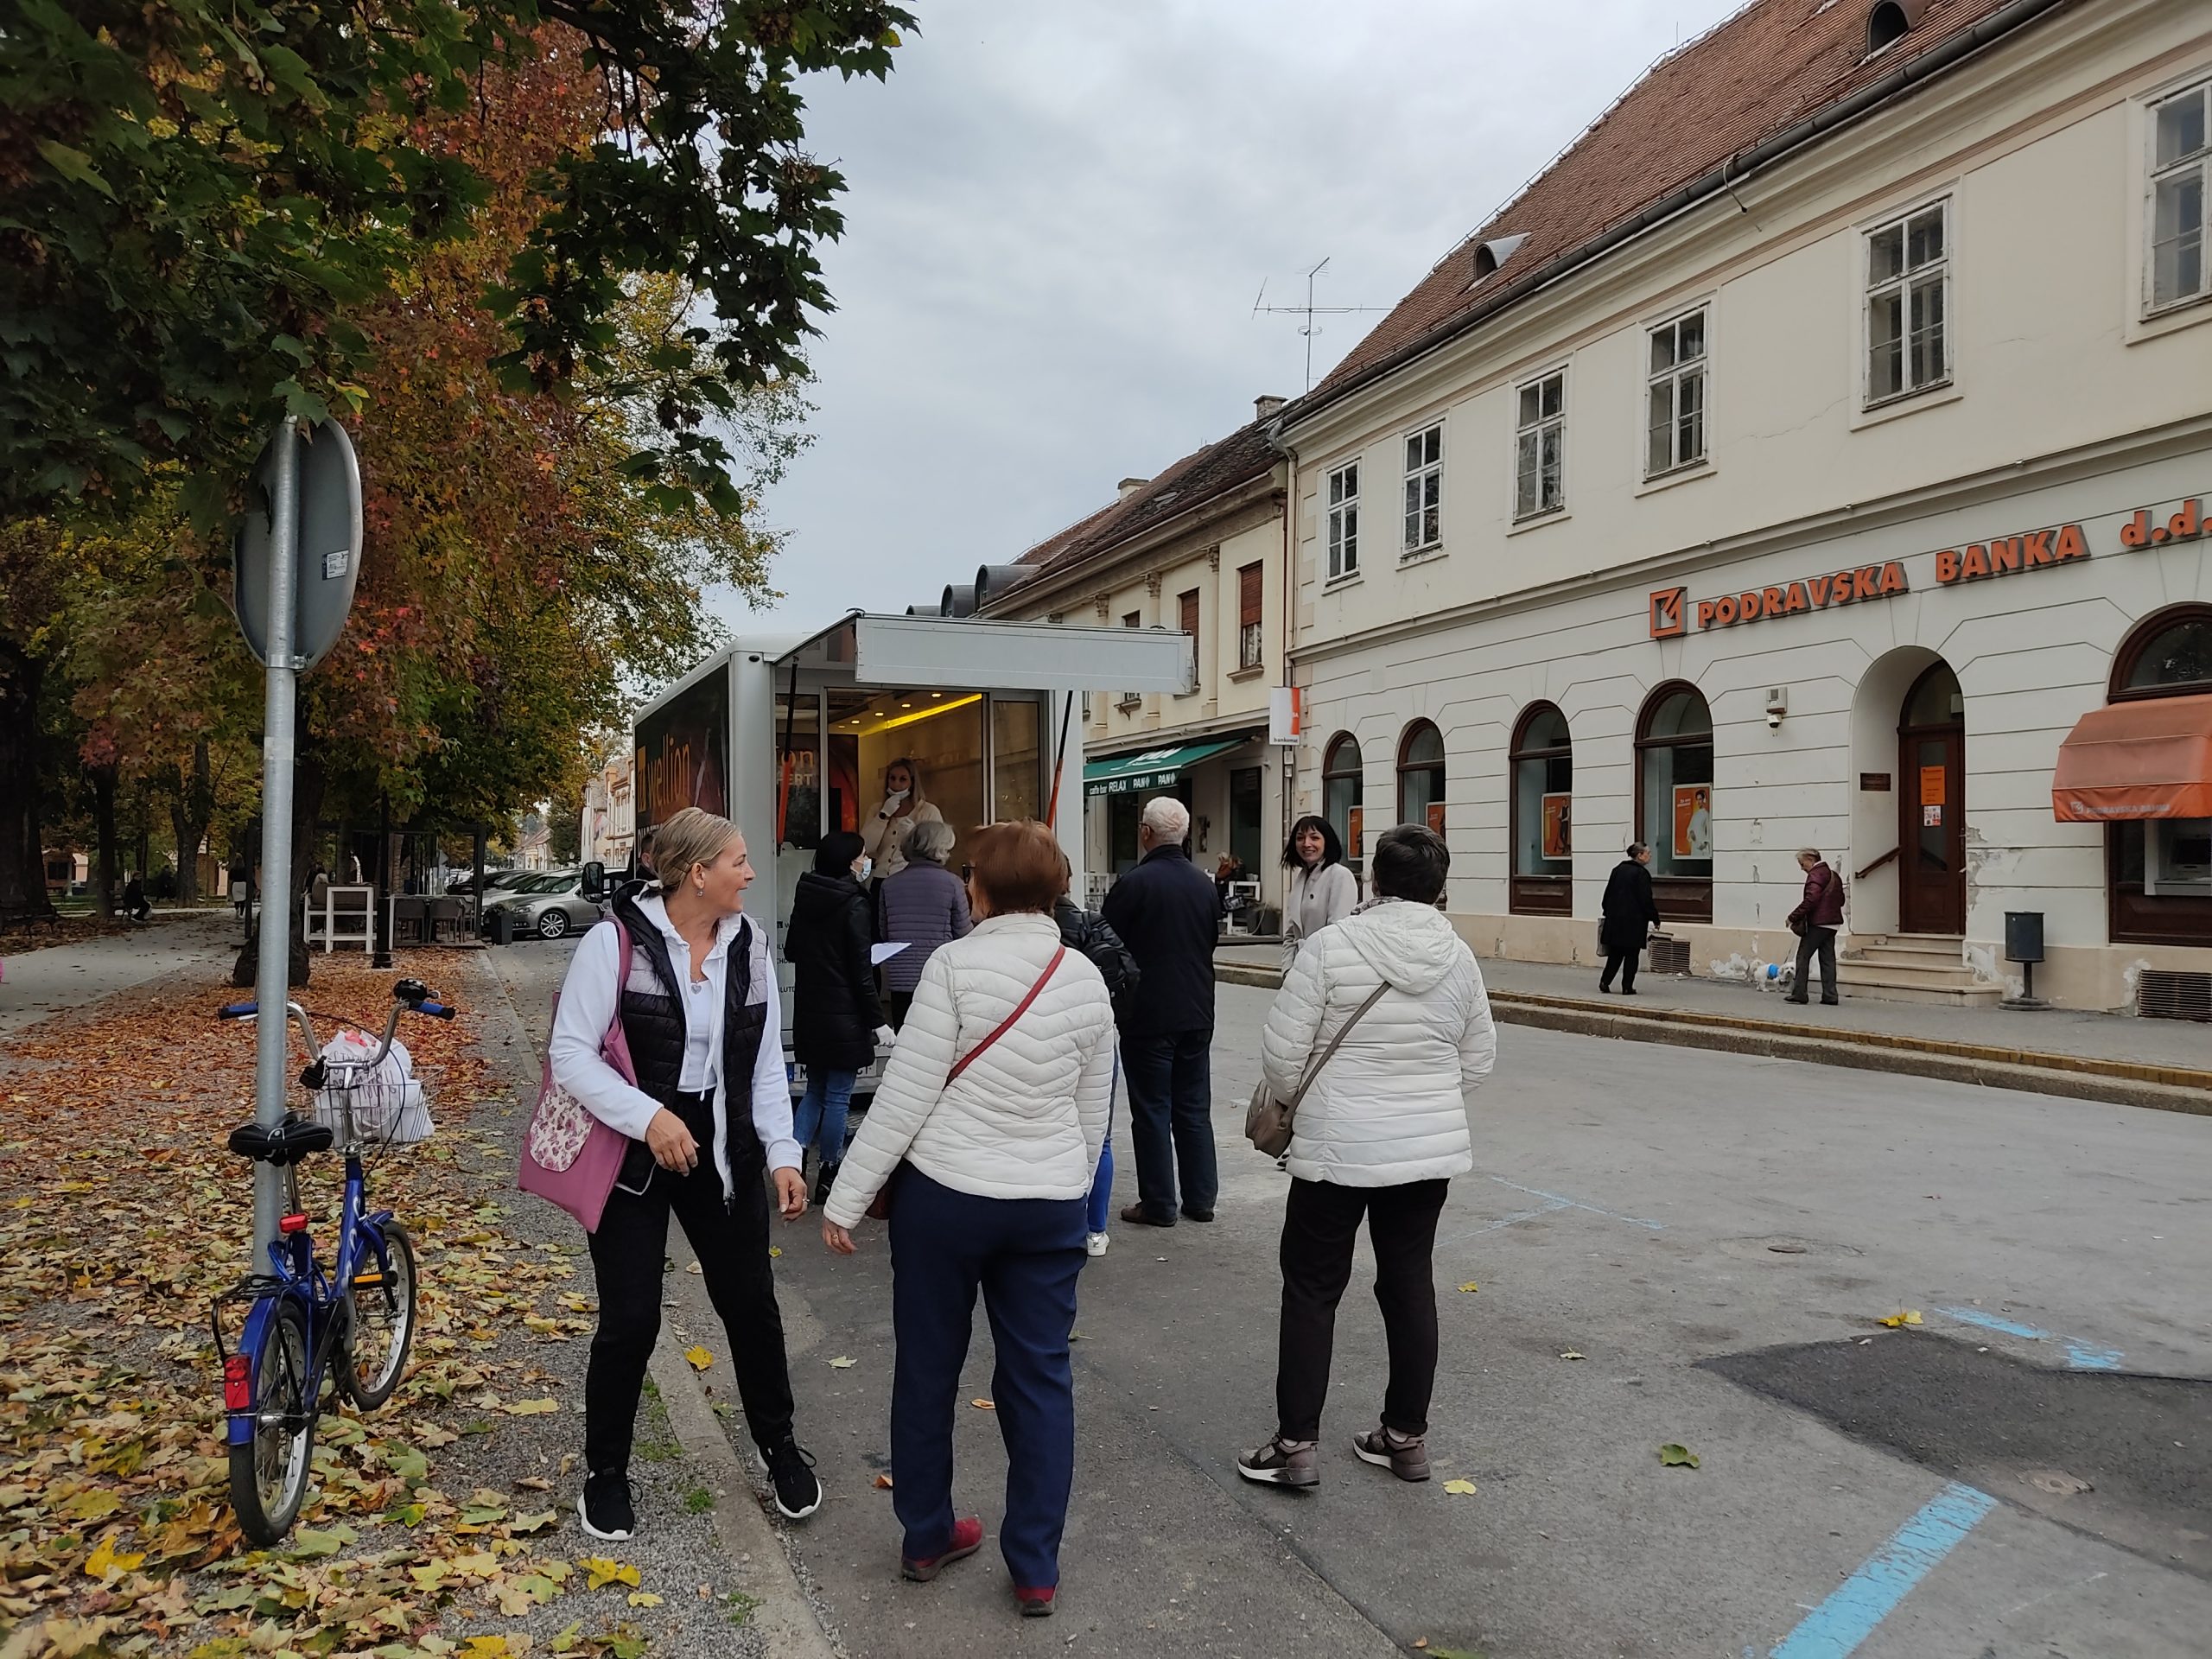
[(1552, 1202), (2080, 1355), (1838, 1625)]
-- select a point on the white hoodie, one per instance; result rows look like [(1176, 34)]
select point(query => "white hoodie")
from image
[(1390, 1105)]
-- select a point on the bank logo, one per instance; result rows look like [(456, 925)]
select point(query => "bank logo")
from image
[(1669, 612)]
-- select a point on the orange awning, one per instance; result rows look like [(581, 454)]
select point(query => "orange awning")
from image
[(2147, 759)]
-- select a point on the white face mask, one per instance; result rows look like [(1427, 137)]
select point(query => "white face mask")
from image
[(860, 870)]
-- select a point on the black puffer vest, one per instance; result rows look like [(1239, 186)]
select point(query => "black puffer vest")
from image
[(653, 1024)]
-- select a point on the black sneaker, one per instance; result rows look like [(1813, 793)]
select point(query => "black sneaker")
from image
[(790, 1470), (604, 1508), (824, 1179)]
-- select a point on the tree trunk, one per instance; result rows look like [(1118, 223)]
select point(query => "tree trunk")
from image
[(22, 857), (192, 806), (104, 880), (307, 810)]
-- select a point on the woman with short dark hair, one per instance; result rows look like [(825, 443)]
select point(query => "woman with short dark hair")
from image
[(1379, 1132), (1626, 916), (1322, 889), (836, 1021), (985, 1132)]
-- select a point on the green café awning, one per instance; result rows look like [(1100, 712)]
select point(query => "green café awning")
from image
[(1124, 774)]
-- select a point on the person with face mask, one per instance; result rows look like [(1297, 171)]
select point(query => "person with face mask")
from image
[(883, 837), (836, 1021)]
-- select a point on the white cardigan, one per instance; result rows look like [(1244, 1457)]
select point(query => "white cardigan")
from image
[(1025, 1121), (1390, 1106)]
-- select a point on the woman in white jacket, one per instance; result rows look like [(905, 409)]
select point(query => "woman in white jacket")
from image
[(1322, 889), (986, 1130), (1380, 1132)]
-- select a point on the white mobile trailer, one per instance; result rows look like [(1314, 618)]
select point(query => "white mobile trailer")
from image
[(790, 736)]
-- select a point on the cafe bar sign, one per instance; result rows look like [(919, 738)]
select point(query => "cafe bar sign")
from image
[(1673, 615)]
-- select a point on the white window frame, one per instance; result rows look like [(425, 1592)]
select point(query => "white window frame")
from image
[(1340, 512), (1423, 530), (1669, 383), (1907, 284), (1528, 429), (2198, 163)]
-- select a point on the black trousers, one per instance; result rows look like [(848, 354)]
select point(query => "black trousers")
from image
[(1320, 1226), (627, 1256), (1821, 942), (1623, 963), (1171, 1119)]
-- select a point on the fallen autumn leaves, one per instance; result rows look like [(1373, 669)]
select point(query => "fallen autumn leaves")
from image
[(121, 1216)]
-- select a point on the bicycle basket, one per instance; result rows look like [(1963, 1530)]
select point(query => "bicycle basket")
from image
[(390, 1107)]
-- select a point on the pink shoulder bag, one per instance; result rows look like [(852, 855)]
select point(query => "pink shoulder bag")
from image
[(569, 1156)]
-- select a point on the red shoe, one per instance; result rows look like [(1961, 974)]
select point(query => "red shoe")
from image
[(1035, 1604), (966, 1539)]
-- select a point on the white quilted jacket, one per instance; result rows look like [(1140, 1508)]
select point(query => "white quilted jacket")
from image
[(1025, 1121), (1390, 1106)]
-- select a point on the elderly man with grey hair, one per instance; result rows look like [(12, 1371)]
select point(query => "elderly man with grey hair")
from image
[(1168, 915)]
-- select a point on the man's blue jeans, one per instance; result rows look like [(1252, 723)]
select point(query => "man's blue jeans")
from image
[(1170, 1120), (821, 1111)]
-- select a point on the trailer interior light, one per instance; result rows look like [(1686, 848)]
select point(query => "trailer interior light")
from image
[(930, 714)]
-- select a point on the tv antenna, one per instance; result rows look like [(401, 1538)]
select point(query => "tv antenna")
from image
[(1309, 311)]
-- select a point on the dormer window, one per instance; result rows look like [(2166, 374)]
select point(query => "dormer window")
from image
[(1891, 22)]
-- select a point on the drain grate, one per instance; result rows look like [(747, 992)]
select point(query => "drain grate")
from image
[(2161, 994)]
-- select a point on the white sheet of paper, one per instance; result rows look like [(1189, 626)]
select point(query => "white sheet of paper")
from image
[(880, 954)]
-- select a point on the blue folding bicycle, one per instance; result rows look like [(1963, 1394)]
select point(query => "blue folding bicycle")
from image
[(352, 1324)]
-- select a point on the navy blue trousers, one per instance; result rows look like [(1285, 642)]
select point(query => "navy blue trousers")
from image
[(1171, 1119), (1025, 1254)]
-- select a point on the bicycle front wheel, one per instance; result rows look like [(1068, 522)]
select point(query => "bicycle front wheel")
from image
[(382, 1327), (269, 1473)]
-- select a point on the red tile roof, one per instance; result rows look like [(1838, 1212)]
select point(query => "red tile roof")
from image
[(1197, 478), (1772, 64)]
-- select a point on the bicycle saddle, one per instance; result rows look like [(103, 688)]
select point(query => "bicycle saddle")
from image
[(287, 1142)]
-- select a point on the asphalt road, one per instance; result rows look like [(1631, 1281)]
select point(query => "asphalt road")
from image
[(1717, 1237)]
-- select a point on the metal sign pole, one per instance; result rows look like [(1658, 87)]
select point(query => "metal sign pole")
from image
[(272, 982)]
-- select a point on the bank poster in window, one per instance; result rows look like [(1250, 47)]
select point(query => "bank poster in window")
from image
[(1351, 833), (1436, 817), (1558, 821), (1693, 820), (1931, 785)]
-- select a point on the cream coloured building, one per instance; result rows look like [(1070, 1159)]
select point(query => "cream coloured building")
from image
[(1199, 549), (1817, 451)]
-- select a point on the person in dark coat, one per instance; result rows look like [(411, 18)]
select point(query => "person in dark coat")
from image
[(1086, 930), (1166, 910), (1814, 921), (1629, 912), (922, 907), (836, 1021)]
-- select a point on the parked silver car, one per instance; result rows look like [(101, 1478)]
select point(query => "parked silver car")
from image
[(551, 906)]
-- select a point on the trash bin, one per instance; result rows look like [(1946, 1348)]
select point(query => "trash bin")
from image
[(2023, 944), (499, 925)]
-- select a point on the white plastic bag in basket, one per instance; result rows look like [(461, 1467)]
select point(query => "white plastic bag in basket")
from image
[(389, 1089)]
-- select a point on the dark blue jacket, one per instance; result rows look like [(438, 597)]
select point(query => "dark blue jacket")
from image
[(1168, 914)]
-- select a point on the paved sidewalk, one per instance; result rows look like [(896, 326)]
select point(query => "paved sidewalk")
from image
[(61, 977), (2117, 1037)]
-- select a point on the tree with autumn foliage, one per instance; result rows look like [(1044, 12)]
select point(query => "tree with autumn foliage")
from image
[(555, 262)]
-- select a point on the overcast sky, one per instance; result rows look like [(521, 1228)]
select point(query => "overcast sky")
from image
[(1060, 211)]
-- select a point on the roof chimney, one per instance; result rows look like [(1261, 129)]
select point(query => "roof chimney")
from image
[(1129, 487), (1267, 404)]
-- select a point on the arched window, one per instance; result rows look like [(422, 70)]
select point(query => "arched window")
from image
[(1674, 800), (2158, 871), (1542, 762), (1421, 776), (1342, 784)]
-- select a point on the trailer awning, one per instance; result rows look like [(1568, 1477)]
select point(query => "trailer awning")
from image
[(2148, 758), (1124, 774)]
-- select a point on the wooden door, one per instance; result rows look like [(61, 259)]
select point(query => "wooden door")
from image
[(1932, 830)]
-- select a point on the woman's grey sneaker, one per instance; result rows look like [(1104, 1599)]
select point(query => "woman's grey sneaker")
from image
[(604, 1508), (790, 1470), (1280, 1463), (1405, 1456)]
